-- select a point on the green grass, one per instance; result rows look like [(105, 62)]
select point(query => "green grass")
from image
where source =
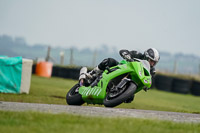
[(43, 90), (53, 91), (33, 122), (165, 101)]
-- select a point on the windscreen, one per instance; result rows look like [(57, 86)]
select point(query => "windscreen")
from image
[(145, 64)]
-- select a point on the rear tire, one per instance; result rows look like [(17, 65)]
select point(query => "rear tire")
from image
[(121, 98), (73, 97)]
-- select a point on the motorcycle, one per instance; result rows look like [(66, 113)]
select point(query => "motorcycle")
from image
[(114, 86)]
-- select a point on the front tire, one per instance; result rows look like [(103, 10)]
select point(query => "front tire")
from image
[(121, 98), (73, 97)]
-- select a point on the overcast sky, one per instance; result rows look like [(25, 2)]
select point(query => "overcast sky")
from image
[(168, 25)]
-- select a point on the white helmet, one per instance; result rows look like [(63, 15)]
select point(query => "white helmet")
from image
[(152, 54)]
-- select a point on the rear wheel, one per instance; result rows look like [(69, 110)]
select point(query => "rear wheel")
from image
[(115, 98), (73, 97)]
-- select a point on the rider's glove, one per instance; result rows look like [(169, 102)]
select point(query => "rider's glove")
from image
[(153, 71)]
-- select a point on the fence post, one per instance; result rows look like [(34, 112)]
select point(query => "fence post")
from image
[(71, 57), (62, 54), (48, 54)]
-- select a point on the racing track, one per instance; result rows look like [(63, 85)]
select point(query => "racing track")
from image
[(101, 111)]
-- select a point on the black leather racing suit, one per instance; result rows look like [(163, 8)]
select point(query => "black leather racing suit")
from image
[(110, 62)]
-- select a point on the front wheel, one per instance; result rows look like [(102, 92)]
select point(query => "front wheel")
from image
[(114, 101), (73, 97)]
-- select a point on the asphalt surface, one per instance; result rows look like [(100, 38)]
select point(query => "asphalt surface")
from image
[(101, 111)]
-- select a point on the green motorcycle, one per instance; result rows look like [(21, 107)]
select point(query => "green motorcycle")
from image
[(114, 86)]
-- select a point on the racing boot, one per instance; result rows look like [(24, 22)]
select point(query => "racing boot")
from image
[(82, 76)]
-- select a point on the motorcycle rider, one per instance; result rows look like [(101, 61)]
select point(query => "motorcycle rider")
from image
[(151, 55)]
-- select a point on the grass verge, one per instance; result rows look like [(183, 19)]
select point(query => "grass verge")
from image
[(34, 122)]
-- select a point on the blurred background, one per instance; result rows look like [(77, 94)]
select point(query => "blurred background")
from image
[(84, 32)]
